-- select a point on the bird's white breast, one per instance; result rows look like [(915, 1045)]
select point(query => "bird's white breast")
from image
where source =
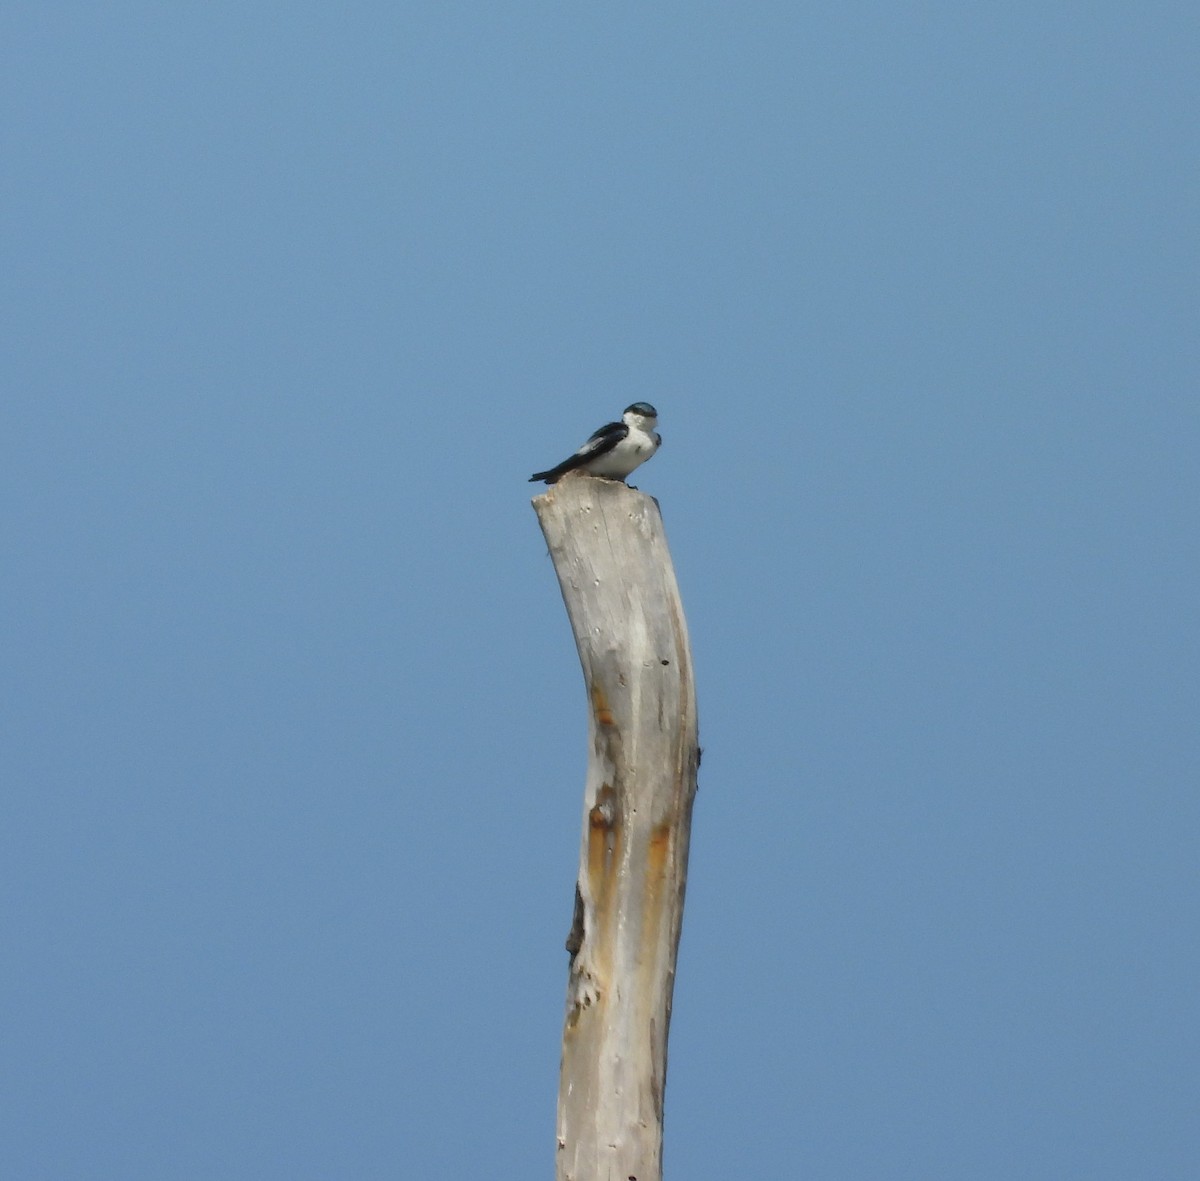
[(629, 453)]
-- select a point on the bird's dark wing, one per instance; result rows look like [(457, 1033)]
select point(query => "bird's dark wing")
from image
[(609, 435), (605, 439)]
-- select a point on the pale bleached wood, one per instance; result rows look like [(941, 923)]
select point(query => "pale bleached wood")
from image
[(610, 554)]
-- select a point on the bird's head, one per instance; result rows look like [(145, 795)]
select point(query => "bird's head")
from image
[(642, 411)]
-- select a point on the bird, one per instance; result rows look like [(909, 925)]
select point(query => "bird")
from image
[(615, 449)]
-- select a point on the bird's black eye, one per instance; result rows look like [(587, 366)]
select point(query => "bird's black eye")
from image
[(642, 408)]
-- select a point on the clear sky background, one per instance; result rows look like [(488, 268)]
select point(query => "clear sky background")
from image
[(296, 296)]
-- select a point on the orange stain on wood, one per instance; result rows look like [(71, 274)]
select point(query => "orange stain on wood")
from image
[(604, 836), (660, 850), (655, 917), (600, 706), (658, 858)]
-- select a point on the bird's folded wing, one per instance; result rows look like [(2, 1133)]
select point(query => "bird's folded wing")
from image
[(605, 439)]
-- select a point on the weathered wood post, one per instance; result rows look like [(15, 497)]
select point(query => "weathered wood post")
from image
[(610, 554)]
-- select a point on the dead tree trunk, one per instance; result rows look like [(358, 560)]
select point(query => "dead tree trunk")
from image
[(610, 554)]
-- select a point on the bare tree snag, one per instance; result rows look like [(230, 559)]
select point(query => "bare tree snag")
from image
[(610, 554)]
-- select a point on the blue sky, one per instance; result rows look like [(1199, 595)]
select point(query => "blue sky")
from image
[(295, 298)]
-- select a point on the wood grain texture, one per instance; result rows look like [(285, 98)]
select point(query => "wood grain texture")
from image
[(618, 584)]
